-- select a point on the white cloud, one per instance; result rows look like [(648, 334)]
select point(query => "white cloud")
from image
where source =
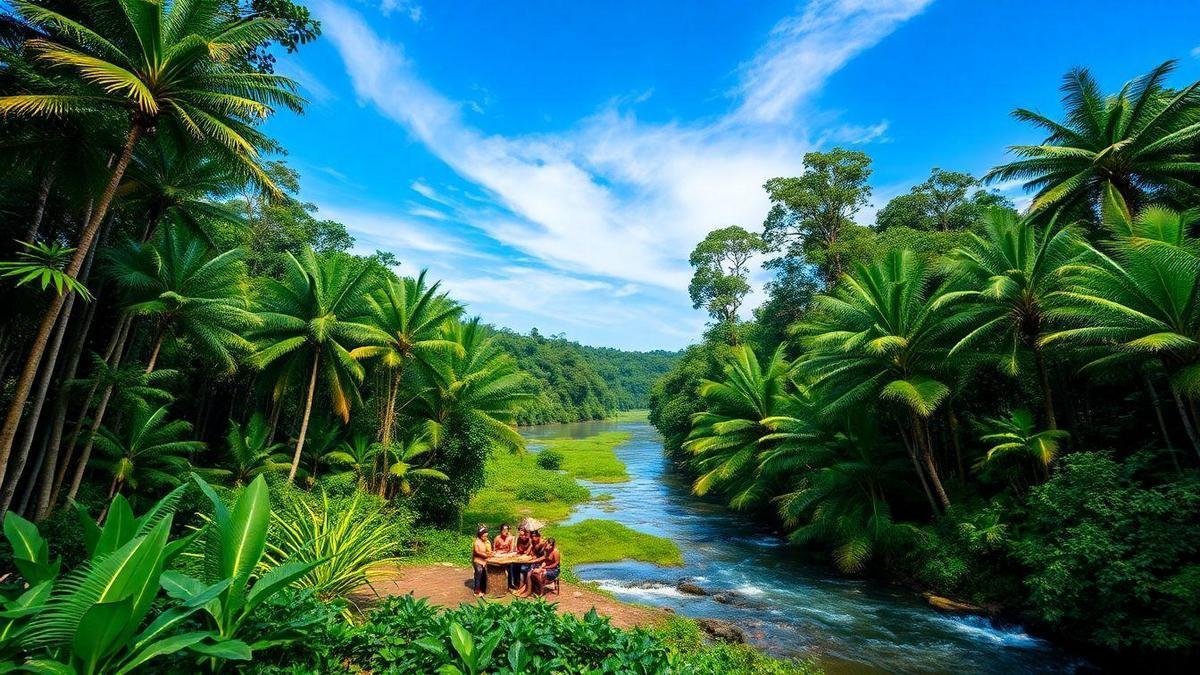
[(1195, 52), (614, 197), (407, 7), (805, 50), (422, 212), (311, 86)]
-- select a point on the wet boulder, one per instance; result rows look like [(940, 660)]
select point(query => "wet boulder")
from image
[(735, 599), (689, 587)]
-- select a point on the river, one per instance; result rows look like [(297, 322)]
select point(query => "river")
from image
[(791, 607)]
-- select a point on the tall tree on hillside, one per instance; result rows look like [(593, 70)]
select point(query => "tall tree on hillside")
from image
[(808, 212), (720, 281), (1142, 141), (311, 320), (942, 202), (160, 64)]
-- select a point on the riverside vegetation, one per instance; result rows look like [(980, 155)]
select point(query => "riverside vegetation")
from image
[(995, 406), (217, 421)]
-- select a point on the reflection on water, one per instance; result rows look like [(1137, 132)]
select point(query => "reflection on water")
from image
[(784, 605)]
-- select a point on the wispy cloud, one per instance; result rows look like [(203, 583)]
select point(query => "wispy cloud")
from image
[(311, 86), (805, 50), (408, 8), (615, 203)]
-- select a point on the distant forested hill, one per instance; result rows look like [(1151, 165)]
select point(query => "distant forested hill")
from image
[(578, 382)]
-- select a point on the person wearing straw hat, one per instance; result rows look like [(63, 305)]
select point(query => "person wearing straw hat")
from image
[(479, 555)]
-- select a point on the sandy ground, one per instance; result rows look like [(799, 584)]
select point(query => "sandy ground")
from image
[(450, 586)]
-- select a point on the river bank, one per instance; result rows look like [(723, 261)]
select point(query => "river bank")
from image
[(787, 606)]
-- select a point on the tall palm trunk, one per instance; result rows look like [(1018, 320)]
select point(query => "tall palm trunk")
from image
[(48, 372), (1186, 419), (43, 197), (312, 388), (112, 356), (33, 359), (909, 446), (158, 343), (1044, 379), (930, 466)]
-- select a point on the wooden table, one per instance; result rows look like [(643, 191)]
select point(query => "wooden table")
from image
[(497, 572)]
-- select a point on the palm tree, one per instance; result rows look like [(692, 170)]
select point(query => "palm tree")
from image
[(878, 339), (251, 452), (834, 483), (478, 385), (189, 293), (1143, 299), (1141, 141), (402, 457), (1010, 272), (182, 182), (1016, 434), (356, 454), (410, 316), (311, 320), (162, 64), (725, 436), (149, 452)]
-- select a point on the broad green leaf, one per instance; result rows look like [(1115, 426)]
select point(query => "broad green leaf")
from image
[(119, 527), (235, 650), (100, 630), (277, 579), (163, 647), (245, 538)]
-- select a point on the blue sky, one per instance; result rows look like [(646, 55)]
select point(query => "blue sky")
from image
[(554, 163)]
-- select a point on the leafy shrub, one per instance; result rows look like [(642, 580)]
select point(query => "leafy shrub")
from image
[(534, 492), (408, 635), (691, 655), (550, 459), (1113, 557), (315, 628), (351, 541)]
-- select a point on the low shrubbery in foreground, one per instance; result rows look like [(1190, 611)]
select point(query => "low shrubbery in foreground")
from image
[(408, 635)]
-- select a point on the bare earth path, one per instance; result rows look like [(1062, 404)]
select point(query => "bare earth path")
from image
[(450, 586)]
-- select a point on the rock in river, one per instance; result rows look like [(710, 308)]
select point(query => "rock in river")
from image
[(689, 587), (722, 631), (735, 599)]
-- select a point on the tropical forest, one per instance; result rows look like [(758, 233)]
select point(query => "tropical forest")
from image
[(841, 367)]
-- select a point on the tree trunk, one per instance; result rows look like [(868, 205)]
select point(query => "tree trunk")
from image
[(158, 342), (21, 456), (33, 359), (958, 455), (912, 454), (43, 197), (1187, 420), (1161, 419), (930, 466), (312, 388), (1044, 379), (27, 493), (48, 372)]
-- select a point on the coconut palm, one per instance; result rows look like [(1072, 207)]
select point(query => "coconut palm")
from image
[(725, 436), (161, 64), (1009, 272), (879, 338), (401, 457), (1016, 435), (188, 293), (478, 385), (833, 484), (410, 316), (181, 182), (148, 452), (1142, 298), (311, 320), (1141, 141), (251, 452)]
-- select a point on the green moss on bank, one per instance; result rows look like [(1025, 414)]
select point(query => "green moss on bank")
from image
[(593, 541), (593, 458)]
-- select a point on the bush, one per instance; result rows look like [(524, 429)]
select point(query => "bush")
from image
[(1113, 557), (550, 459)]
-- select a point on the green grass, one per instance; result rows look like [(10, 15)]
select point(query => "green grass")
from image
[(593, 541), (630, 416), (516, 487), (593, 458)]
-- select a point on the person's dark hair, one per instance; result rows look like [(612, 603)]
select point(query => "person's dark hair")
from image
[(536, 533), (504, 527), (550, 542), (482, 529)]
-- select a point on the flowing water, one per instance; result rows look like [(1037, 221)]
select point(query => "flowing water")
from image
[(786, 606)]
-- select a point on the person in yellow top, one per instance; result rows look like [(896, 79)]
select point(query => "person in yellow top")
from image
[(479, 555)]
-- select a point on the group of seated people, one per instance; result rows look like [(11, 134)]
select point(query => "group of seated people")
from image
[(524, 579)]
